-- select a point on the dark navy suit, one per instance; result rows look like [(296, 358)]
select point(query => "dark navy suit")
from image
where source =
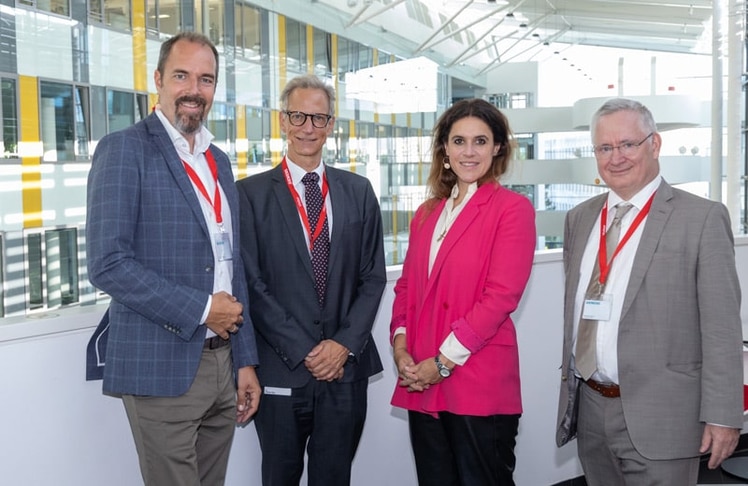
[(289, 322)]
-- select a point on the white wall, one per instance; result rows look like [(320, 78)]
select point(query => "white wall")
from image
[(59, 429)]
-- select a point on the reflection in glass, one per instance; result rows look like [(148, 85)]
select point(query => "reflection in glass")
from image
[(2, 284), (120, 109), (61, 251), (34, 284), (57, 117), (82, 117), (10, 117)]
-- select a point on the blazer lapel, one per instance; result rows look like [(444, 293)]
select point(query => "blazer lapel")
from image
[(290, 215), (175, 167), (659, 213), (339, 210), (583, 225)]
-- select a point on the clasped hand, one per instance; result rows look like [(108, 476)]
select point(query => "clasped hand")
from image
[(417, 377), (326, 360), (225, 315)]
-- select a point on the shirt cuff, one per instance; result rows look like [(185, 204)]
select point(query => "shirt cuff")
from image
[(453, 349)]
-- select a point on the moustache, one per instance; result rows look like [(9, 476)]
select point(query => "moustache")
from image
[(191, 99)]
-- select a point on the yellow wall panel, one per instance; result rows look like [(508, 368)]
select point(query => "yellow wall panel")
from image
[(31, 176), (139, 58)]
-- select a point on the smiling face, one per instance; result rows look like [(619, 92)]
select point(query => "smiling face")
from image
[(471, 149), (626, 175), (305, 142), (186, 86)]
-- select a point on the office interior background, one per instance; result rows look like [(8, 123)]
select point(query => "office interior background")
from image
[(72, 71)]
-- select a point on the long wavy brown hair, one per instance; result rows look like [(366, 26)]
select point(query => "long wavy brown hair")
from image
[(441, 181)]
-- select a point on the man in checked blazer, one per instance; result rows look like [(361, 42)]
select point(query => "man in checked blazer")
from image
[(668, 384), (313, 334), (163, 242)]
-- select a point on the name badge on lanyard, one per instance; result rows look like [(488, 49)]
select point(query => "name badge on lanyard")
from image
[(221, 239)]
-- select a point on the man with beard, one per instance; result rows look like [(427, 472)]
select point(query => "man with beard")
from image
[(162, 231)]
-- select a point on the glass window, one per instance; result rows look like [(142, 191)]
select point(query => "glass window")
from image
[(9, 113), (34, 282), (61, 7), (61, 252), (52, 273), (163, 17), (2, 284), (248, 25), (82, 118), (322, 53), (295, 46), (57, 116), (120, 110), (258, 137), (222, 124), (114, 13)]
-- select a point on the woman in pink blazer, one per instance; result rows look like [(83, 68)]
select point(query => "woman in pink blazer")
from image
[(455, 346)]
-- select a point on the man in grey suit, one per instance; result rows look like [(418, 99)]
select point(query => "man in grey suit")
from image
[(313, 251), (652, 361), (162, 234)]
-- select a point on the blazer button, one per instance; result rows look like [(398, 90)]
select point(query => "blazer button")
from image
[(208, 269), (316, 322)]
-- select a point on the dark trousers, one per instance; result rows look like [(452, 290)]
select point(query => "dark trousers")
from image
[(463, 450), (325, 418)]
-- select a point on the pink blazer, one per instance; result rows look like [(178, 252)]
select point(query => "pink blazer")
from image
[(476, 283)]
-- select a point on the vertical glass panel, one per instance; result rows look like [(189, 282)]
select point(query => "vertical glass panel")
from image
[(168, 15), (295, 46), (117, 14), (257, 135), (151, 16), (61, 7), (322, 53), (34, 277), (61, 251), (221, 123), (142, 106), (215, 21), (57, 116), (82, 121), (96, 10), (120, 110), (2, 277), (248, 29), (10, 117)]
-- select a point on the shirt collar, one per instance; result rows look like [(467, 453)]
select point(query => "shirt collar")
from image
[(297, 172), (203, 137), (472, 188), (640, 198)]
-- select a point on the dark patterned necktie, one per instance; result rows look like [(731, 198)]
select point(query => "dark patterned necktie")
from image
[(320, 246), (585, 356)]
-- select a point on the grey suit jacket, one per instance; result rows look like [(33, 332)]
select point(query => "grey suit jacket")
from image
[(680, 338), (287, 317), (149, 248)]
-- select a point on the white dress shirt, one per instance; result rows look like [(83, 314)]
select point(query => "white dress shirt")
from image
[(617, 282)]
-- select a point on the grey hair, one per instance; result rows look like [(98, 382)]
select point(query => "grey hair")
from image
[(308, 81), (624, 104)]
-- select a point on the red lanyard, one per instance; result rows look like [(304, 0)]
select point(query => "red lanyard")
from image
[(603, 250), (300, 207), (216, 202)]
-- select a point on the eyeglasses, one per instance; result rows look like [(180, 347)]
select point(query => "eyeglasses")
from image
[(626, 149), (298, 118)]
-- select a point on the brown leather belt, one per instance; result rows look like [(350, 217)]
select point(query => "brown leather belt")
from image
[(216, 342), (608, 390)]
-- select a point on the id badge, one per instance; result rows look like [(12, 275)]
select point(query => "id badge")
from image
[(598, 309), (223, 246)]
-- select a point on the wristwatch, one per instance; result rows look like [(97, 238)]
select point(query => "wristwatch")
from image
[(443, 370)]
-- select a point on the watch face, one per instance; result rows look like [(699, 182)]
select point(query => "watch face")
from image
[(444, 372)]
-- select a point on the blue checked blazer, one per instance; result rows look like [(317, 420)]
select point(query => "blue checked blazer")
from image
[(149, 248)]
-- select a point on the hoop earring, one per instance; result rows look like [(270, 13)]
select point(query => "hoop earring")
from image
[(446, 162)]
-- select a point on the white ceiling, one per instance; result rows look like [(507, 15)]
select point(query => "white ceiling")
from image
[(477, 36)]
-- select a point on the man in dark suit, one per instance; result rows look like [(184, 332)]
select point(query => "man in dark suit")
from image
[(652, 348), (313, 253), (163, 233)]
